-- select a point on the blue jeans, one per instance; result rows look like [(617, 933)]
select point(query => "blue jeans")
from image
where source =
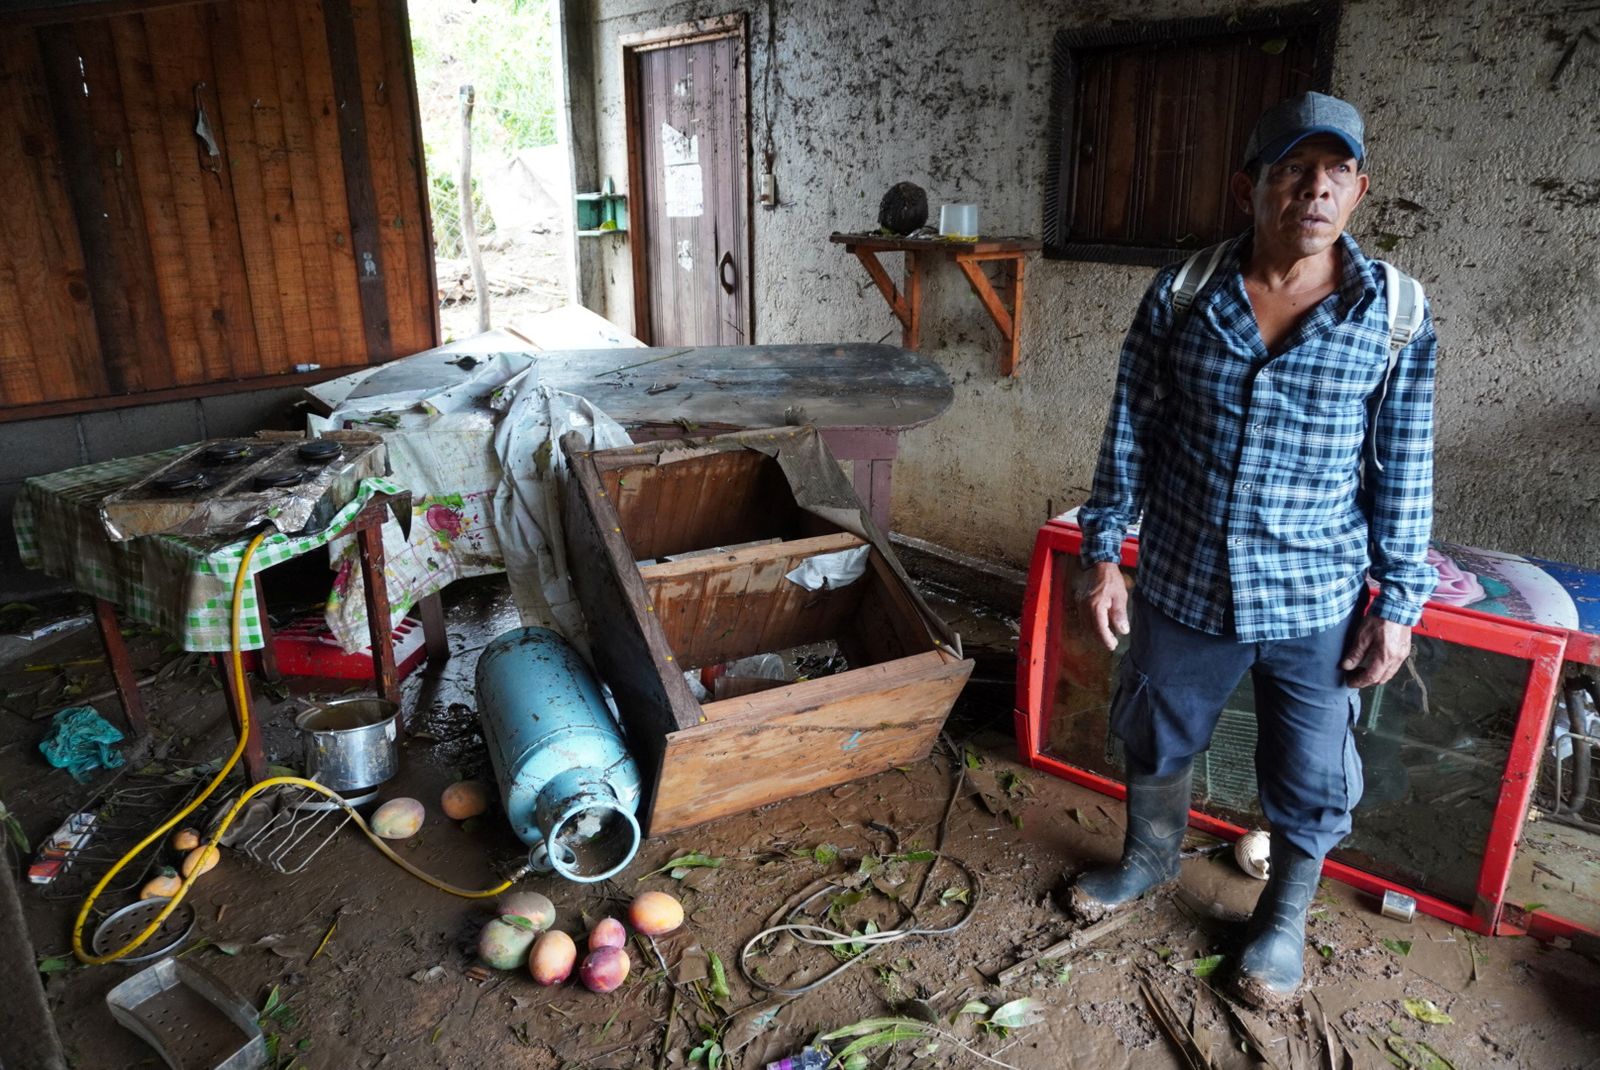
[(1171, 689)]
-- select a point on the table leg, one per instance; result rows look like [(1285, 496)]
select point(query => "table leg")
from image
[(871, 453), (431, 610), (369, 545), (255, 757), (127, 684), (269, 656)]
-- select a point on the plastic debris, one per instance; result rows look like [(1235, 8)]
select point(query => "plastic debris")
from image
[(81, 741)]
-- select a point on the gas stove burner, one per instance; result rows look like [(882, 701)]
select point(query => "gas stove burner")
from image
[(283, 477), (320, 451), (181, 480), (225, 453)]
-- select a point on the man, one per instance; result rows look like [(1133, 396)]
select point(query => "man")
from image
[(1276, 450)]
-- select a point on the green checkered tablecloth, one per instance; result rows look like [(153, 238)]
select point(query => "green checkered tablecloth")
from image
[(183, 586)]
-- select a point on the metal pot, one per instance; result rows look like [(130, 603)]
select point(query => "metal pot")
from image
[(350, 744)]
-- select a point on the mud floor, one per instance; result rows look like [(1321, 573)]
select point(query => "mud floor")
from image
[(373, 969)]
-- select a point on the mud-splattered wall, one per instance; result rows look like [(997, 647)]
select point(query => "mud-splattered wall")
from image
[(1485, 152)]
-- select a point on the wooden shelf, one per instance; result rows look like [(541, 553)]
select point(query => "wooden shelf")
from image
[(969, 256)]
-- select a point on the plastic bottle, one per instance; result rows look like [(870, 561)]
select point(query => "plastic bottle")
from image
[(807, 1058)]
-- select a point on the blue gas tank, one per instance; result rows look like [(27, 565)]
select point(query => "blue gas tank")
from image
[(569, 786)]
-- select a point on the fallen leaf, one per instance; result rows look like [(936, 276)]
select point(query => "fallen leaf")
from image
[(1424, 1010), (1016, 1014), (1418, 1055), (680, 866), (1399, 947), (431, 974), (1203, 967)]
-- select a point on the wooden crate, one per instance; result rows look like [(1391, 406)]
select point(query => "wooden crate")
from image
[(650, 621)]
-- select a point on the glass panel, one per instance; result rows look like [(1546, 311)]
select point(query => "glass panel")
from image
[(1557, 866), (1433, 743)]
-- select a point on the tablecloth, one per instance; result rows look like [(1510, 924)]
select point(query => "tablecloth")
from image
[(184, 586)]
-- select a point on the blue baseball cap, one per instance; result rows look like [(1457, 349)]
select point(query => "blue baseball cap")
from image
[(1289, 122)]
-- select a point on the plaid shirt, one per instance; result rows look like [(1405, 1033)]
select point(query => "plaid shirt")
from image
[(1250, 470)]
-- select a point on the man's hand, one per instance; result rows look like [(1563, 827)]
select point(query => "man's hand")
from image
[(1376, 653), (1103, 600)]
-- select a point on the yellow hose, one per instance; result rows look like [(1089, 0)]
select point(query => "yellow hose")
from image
[(242, 695)]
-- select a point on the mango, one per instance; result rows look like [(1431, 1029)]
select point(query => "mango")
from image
[(608, 932), (204, 859), (164, 885), (505, 941), (185, 839), (464, 799), (552, 957), (398, 819), (655, 913), (604, 969), (531, 905)]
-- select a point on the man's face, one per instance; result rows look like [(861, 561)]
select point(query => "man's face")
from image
[(1301, 203)]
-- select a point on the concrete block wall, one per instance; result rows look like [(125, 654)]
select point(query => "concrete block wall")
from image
[(37, 447)]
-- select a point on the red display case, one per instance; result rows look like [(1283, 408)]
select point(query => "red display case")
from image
[(1465, 808)]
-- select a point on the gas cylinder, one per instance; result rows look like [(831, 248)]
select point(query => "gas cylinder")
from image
[(569, 786)]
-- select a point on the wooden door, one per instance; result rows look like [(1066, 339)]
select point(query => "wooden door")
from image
[(690, 185)]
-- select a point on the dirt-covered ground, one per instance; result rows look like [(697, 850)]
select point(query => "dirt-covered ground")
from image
[(393, 984)]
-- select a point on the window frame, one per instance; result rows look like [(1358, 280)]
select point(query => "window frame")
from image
[(1321, 19)]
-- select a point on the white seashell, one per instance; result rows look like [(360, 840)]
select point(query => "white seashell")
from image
[(1253, 853)]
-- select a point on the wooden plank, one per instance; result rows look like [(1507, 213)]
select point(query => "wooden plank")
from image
[(639, 240), (637, 496), (630, 647), (305, 184), (997, 244), (737, 604), (42, 249), (413, 225), (366, 238), (244, 190), (676, 602), (788, 741), (254, 23), (105, 201), (184, 77), (792, 552), (377, 89), (169, 258), (322, 108)]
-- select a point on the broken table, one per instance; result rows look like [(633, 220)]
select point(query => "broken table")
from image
[(183, 585)]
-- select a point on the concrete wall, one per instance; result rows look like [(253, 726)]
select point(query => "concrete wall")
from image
[(1467, 119), (35, 447)]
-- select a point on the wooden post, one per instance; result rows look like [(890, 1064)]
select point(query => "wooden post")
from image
[(469, 225)]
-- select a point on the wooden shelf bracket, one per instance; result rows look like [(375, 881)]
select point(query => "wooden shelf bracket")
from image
[(1006, 312)]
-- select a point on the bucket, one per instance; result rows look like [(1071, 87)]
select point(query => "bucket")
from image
[(349, 745)]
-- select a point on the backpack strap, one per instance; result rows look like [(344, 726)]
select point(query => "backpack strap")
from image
[(1195, 273), (1406, 302)]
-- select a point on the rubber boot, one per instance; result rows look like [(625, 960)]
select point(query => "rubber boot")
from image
[(1273, 961), (1158, 814)]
